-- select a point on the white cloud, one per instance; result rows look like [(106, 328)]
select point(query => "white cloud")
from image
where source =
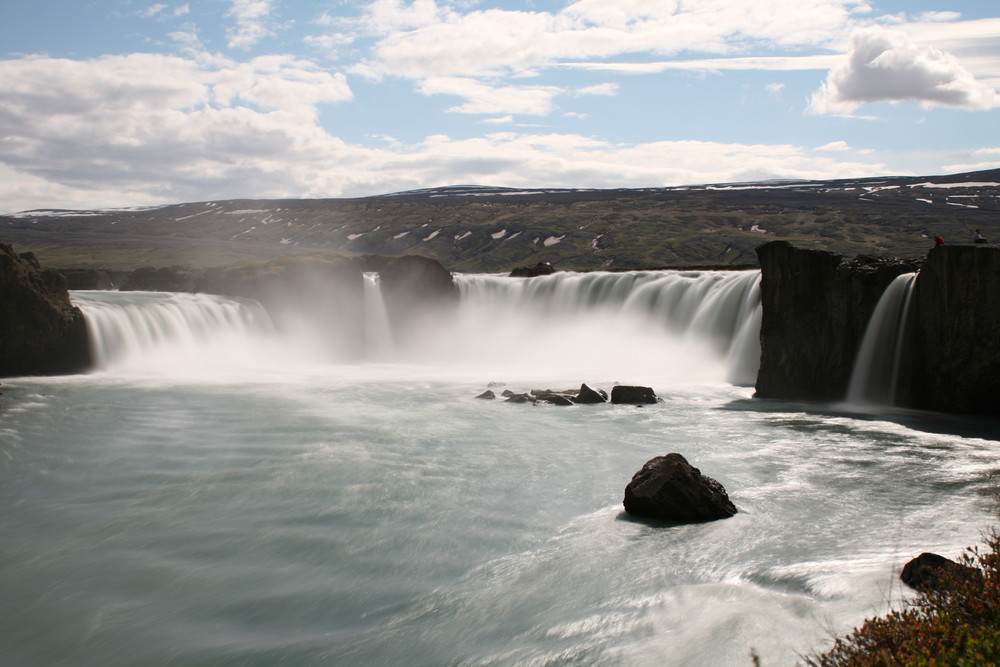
[(251, 22), (886, 66), (835, 146), (774, 88), (485, 99), (603, 89)]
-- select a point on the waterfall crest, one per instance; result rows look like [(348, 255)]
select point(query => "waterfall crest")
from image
[(149, 329), (709, 311), (652, 325), (875, 376)]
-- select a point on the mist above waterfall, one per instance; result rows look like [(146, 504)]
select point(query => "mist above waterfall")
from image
[(659, 327)]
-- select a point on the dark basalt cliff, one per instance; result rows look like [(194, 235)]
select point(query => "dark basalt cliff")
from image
[(815, 310), (41, 333), (952, 350)]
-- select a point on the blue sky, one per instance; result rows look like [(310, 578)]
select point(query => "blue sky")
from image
[(111, 103)]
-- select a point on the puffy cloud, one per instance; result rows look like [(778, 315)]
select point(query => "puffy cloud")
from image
[(837, 146), (485, 99), (251, 27), (886, 66), (492, 41), (154, 127)]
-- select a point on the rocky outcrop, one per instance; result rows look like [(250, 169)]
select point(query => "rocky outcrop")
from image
[(318, 297), (102, 279), (631, 395), (588, 395), (539, 269), (933, 571), (952, 354), (41, 332), (815, 310), (418, 291), (668, 488)]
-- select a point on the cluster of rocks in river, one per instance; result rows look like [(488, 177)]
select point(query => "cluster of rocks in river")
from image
[(585, 395)]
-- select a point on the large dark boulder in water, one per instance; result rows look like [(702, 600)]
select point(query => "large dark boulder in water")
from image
[(670, 489), (41, 332), (933, 571), (587, 395), (815, 308), (632, 395)]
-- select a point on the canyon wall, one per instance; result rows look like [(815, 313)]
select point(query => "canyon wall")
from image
[(816, 307)]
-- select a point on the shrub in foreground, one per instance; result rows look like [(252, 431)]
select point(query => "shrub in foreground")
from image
[(955, 623)]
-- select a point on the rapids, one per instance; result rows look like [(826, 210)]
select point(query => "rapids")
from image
[(212, 495)]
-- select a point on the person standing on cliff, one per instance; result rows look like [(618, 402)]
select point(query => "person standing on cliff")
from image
[(978, 237)]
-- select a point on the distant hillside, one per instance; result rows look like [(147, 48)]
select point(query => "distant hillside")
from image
[(475, 228)]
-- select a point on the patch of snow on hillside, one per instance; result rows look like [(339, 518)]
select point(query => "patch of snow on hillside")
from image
[(955, 185), (459, 237), (193, 215), (285, 241), (432, 234), (593, 243), (552, 240), (499, 235), (246, 211), (926, 201), (756, 228), (400, 235), (955, 203), (351, 237), (513, 236), (242, 233)]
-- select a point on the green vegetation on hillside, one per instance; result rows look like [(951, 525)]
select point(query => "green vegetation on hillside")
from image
[(497, 230)]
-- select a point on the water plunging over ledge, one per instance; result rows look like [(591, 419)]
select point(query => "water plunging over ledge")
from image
[(875, 377)]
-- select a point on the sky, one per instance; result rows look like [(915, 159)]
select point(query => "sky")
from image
[(120, 103)]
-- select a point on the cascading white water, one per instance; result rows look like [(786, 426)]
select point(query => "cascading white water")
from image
[(875, 375), (684, 320), (573, 326), (379, 344), (168, 330)]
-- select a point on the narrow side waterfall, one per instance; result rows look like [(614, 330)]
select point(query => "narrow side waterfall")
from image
[(379, 344), (875, 375), (170, 330)]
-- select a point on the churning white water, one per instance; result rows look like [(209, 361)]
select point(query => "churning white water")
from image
[(251, 507)]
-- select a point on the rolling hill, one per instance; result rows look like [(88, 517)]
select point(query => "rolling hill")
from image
[(487, 229)]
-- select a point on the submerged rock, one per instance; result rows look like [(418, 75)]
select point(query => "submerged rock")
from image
[(930, 570), (671, 489), (633, 395), (487, 395), (552, 398)]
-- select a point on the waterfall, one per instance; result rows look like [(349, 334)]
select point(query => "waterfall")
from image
[(689, 311), (378, 332), (166, 329), (662, 325), (875, 375)]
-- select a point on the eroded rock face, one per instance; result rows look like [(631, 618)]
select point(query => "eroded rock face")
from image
[(668, 488), (418, 292), (539, 269), (953, 351), (815, 311), (41, 332)]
